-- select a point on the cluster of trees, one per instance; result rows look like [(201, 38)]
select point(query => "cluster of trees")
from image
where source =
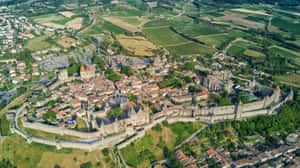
[(127, 70), (115, 113), (175, 80), (223, 99), (49, 116), (100, 62), (287, 121), (4, 163), (111, 75)]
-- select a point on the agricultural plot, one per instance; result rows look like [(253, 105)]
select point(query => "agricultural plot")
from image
[(285, 25), (156, 23), (253, 53), (239, 19), (164, 36), (75, 23), (286, 53), (191, 48), (259, 12), (66, 42), (240, 47), (67, 14), (290, 79), (101, 26), (38, 43), (137, 44), (193, 30), (121, 24), (62, 21), (215, 40), (125, 11), (135, 21)]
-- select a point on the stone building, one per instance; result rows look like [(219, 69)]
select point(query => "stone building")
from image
[(87, 73), (63, 75)]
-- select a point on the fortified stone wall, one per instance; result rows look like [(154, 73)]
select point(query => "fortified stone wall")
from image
[(174, 114)]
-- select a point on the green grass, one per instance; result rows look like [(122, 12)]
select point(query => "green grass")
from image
[(143, 151), (191, 48), (25, 155), (38, 43), (163, 36), (182, 130), (213, 40), (156, 23), (193, 30), (104, 26), (253, 53), (283, 52), (132, 21), (285, 25), (47, 135), (234, 50), (4, 126), (257, 18), (126, 12), (62, 21)]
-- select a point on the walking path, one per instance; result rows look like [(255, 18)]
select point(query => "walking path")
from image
[(122, 159), (191, 138)]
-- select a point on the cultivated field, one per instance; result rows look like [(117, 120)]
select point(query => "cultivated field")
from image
[(75, 23), (164, 36), (121, 23), (239, 20), (259, 12), (137, 44), (67, 14), (38, 43), (66, 42)]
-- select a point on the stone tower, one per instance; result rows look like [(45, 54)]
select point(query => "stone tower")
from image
[(252, 83), (63, 75), (277, 94), (238, 110)]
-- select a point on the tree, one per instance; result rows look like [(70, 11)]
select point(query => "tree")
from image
[(115, 113), (99, 62), (111, 75), (127, 70), (49, 116)]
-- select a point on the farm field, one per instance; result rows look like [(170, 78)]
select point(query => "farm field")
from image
[(240, 46), (191, 48), (75, 23), (66, 42), (286, 53), (121, 24), (253, 53), (193, 30), (290, 79), (137, 44), (135, 21), (150, 148), (163, 36), (101, 26), (67, 14), (259, 12), (24, 155), (38, 43)]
